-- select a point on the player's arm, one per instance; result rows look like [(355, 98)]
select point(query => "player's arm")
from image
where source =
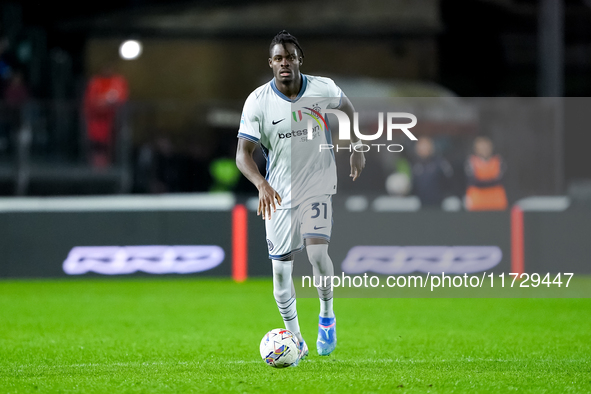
[(357, 159), (248, 167)]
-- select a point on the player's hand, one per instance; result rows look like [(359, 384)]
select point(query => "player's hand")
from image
[(267, 197), (357, 164)]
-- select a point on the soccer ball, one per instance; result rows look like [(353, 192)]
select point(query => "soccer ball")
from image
[(279, 348)]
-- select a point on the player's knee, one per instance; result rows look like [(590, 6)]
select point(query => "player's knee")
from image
[(282, 270), (317, 254), (281, 294)]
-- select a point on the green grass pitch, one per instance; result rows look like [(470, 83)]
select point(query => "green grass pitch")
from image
[(202, 335)]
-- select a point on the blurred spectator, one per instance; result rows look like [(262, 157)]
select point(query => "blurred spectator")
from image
[(222, 169), (484, 173), (430, 174), (398, 183), (225, 174), (166, 167), (105, 94), (161, 167)]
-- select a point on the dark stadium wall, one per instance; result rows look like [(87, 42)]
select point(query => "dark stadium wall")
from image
[(35, 244), (423, 228), (558, 241), (189, 71), (184, 69), (554, 242)]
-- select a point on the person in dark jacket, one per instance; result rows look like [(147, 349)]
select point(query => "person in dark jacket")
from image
[(430, 174)]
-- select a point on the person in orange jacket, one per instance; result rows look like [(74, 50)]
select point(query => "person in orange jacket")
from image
[(104, 94), (485, 171)]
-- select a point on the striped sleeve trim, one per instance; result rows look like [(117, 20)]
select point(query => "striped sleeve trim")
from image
[(248, 137)]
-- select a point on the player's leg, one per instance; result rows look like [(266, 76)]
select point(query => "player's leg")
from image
[(280, 241), (323, 271), (323, 268), (316, 229), (285, 297)]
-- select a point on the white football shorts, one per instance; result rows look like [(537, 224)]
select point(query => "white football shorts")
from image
[(288, 228)]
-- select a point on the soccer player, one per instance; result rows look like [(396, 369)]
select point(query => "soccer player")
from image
[(295, 194)]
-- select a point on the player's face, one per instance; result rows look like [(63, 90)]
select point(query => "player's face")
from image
[(285, 62)]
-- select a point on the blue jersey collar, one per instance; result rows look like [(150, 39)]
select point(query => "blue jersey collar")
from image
[(284, 97)]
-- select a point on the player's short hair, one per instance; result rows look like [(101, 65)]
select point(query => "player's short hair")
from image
[(283, 37)]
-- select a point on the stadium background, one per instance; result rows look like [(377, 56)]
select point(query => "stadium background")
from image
[(171, 179), (177, 131)]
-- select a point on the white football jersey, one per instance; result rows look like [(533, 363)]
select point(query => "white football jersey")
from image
[(296, 166)]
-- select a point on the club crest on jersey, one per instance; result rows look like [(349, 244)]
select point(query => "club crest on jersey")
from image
[(270, 245), (308, 114), (297, 115)]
